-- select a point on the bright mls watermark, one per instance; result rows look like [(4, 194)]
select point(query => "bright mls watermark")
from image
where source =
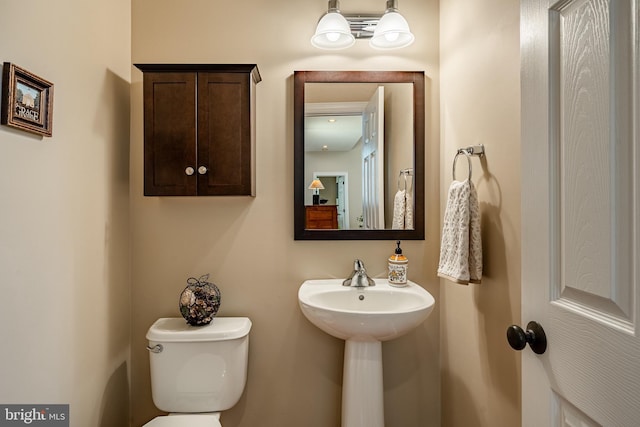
[(34, 415)]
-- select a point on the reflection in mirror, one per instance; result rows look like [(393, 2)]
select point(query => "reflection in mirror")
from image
[(362, 135), (365, 129)]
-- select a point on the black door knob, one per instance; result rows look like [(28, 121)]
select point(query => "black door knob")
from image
[(534, 336)]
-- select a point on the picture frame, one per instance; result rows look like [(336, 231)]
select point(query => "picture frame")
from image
[(27, 101)]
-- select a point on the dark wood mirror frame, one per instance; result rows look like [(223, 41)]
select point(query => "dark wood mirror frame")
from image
[(414, 77)]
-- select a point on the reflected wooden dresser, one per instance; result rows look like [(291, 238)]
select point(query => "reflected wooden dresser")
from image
[(321, 217)]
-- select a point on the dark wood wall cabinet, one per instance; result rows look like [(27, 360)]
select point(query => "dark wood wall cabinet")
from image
[(321, 217), (199, 129)]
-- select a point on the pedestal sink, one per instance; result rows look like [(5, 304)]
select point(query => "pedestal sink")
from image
[(363, 317)]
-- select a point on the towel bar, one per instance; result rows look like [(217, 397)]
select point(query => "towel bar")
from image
[(474, 150)]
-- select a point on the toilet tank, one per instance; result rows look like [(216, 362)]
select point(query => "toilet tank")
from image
[(198, 368)]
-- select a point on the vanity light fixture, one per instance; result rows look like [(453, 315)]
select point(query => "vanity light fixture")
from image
[(392, 32), (333, 31), (316, 186), (387, 31)]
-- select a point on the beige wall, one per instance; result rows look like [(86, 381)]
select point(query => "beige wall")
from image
[(295, 370), (480, 103), (64, 229), (64, 233), (399, 149)]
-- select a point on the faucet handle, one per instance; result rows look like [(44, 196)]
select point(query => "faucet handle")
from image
[(359, 274)]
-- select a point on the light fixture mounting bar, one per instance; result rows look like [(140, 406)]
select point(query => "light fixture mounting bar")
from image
[(333, 6), (362, 24)]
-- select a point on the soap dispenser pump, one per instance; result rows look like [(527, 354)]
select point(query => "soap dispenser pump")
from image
[(398, 264)]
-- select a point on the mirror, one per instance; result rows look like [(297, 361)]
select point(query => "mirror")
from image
[(359, 155)]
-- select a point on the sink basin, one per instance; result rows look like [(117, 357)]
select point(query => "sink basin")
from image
[(381, 312), (363, 317)]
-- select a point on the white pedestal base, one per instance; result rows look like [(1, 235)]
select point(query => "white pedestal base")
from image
[(362, 391)]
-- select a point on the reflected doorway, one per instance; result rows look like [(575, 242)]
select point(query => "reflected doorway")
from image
[(336, 192)]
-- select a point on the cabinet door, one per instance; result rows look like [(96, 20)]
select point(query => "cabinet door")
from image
[(224, 134), (169, 134)]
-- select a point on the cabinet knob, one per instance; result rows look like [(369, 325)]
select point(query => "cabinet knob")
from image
[(189, 171), (202, 170)]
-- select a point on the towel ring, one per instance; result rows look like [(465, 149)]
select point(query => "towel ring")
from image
[(455, 159), (403, 174), (405, 181)]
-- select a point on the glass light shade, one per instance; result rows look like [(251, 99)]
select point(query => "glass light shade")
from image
[(392, 32), (333, 32)]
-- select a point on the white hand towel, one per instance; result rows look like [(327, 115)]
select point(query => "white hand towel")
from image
[(461, 245), (399, 207)]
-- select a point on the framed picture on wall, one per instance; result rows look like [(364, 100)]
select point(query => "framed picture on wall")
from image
[(27, 100)]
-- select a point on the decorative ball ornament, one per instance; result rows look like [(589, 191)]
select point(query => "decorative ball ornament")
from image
[(199, 301)]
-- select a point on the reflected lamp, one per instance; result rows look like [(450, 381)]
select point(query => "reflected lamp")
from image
[(316, 186)]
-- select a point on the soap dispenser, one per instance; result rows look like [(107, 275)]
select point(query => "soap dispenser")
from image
[(398, 264)]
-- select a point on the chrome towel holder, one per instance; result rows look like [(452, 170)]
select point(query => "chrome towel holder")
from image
[(473, 150), (404, 173)]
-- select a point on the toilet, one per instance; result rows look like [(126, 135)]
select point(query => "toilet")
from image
[(197, 371)]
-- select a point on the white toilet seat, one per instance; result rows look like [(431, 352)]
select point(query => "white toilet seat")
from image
[(187, 420)]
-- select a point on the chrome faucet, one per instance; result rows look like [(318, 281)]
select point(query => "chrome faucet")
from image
[(358, 278)]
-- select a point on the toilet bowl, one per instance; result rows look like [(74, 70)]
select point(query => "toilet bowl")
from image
[(197, 371), (186, 420)]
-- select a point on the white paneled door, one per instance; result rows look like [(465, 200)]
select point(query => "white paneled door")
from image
[(581, 212), (373, 162)]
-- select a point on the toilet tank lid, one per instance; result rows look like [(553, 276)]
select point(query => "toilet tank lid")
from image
[(176, 329)]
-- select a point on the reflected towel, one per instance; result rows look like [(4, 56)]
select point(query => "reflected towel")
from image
[(402, 211), (399, 208), (408, 211), (461, 245)]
